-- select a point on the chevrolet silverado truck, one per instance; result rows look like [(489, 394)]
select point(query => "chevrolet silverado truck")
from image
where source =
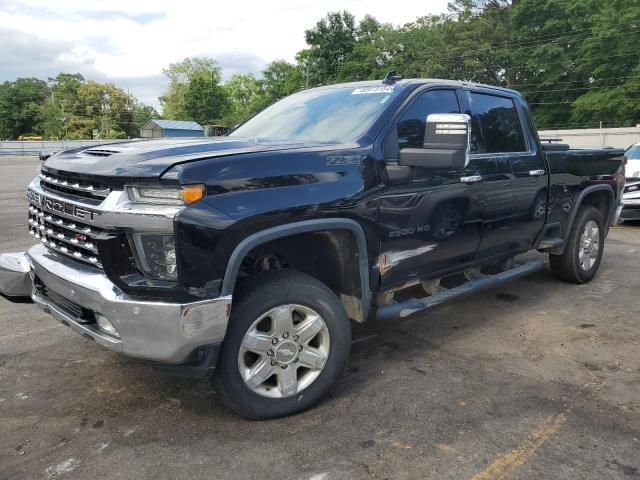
[(245, 258)]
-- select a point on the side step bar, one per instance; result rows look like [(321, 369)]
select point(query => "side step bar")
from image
[(413, 305)]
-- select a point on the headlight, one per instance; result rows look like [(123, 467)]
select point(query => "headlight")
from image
[(156, 255), (632, 188), (166, 195)]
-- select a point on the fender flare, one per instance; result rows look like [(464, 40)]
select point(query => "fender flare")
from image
[(574, 212), (305, 226)]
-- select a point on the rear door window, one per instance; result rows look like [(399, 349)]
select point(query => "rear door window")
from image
[(496, 126)]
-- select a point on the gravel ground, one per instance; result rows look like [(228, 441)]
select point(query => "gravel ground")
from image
[(534, 380)]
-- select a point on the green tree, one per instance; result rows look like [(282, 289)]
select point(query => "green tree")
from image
[(180, 75), (609, 61), (548, 37), (20, 103), (246, 96), (280, 79), (61, 112), (330, 42), (140, 114), (580, 62), (104, 107), (52, 120), (365, 60), (205, 100)]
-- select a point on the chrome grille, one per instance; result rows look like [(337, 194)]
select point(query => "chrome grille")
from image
[(74, 188), (69, 237)]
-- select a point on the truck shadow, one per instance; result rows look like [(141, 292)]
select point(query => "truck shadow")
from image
[(377, 344), (381, 345)]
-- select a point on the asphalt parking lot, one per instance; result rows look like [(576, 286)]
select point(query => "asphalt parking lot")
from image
[(534, 380)]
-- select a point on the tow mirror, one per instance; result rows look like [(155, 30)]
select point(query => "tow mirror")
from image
[(446, 143)]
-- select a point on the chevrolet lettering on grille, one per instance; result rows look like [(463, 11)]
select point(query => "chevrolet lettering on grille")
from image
[(61, 207)]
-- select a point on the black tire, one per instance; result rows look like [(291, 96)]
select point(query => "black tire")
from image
[(258, 295), (567, 266)]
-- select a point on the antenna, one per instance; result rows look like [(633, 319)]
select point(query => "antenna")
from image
[(391, 77)]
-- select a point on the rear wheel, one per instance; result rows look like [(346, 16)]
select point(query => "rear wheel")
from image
[(581, 258), (287, 342)]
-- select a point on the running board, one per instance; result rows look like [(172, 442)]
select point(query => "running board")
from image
[(408, 307)]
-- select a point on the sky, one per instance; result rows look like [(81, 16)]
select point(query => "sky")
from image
[(129, 42)]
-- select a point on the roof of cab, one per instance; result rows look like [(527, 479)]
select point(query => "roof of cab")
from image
[(407, 82)]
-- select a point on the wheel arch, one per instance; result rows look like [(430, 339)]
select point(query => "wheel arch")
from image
[(247, 245), (591, 195)]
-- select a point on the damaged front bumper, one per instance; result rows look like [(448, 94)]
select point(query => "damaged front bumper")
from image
[(14, 275), (84, 299)]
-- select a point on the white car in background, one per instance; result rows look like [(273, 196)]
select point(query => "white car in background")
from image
[(631, 196)]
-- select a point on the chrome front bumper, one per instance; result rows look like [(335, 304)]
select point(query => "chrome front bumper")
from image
[(14, 275), (151, 330)]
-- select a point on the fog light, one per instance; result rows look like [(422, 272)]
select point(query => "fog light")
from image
[(106, 326)]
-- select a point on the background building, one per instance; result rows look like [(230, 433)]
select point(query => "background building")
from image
[(595, 137), (156, 128)]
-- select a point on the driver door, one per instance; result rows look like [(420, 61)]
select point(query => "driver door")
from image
[(431, 222)]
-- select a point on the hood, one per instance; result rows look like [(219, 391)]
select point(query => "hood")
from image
[(148, 159)]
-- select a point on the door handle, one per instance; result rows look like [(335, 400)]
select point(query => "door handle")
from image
[(471, 179), (536, 173)]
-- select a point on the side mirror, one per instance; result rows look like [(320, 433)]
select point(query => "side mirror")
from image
[(446, 143)]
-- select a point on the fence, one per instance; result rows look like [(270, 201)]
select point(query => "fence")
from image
[(582, 138), (595, 137), (31, 147)]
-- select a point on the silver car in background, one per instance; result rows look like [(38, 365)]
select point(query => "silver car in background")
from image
[(631, 196)]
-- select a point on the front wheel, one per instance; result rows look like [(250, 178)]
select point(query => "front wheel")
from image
[(581, 258), (287, 342)]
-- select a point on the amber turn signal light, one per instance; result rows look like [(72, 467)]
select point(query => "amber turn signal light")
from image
[(192, 193)]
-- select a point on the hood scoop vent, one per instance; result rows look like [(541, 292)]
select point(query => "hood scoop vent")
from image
[(100, 152)]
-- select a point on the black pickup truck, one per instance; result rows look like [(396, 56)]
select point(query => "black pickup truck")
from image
[(244, 258)]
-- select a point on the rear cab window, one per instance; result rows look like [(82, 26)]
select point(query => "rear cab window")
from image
[(496, 126)]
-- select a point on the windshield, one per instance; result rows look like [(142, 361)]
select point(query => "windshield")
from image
[(633, 153), (333, 115)]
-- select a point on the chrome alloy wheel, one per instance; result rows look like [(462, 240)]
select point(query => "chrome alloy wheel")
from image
[(284, 351), (589, 245)]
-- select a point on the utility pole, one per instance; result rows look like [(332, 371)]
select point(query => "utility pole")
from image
[(211, 105)]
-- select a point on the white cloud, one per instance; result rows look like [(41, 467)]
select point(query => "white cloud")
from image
[(134, 40)]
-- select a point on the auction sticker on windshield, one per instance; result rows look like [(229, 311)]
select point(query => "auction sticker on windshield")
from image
[(368, 90)]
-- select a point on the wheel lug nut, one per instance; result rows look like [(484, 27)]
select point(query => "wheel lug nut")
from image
[(273, 363), (274, 341), (299, 348), (295, 337), (270, 352), (284, 367), (285, 335), (296, 360)]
